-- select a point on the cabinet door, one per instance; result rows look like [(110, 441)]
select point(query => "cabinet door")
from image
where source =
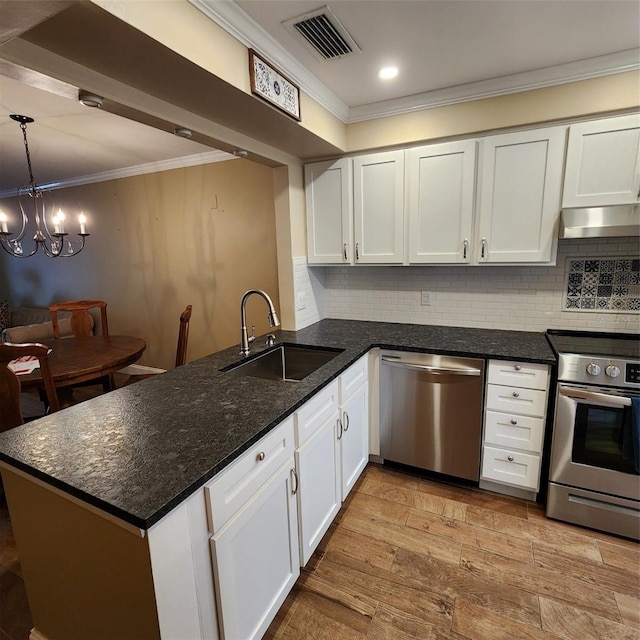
[(519, 201), (329, 200), (441, 179), (256, 559), (317, 462), (354, 438), (378, 183), (603, 163)]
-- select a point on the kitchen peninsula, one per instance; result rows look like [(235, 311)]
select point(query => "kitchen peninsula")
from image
[(110, 499)]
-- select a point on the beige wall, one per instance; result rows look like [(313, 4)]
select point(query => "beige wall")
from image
[(201, 236), (573, 100)]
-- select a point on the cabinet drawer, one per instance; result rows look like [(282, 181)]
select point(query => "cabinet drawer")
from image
[(353, 378), (514, 431), (315, 412), (511, 467), (233, 486), (518, 374), (528, 402)]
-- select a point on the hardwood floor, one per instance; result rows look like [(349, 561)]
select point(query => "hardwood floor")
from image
[(409, 558), (412, 559)]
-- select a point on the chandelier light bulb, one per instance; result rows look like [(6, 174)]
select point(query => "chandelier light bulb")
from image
[(82, 219), (3, 222)]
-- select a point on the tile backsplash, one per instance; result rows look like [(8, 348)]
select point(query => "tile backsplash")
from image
[(602, 285), (526, 298)]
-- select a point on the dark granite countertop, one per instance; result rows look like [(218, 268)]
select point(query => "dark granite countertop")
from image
[(139, 451)]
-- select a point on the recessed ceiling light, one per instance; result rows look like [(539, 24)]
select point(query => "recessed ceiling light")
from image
[(386, 73)]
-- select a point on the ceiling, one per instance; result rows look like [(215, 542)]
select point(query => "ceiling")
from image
[(461, 48), (437, 44)]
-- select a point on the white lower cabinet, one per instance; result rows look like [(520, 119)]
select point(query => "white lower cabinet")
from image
[(269, 509), (516, 404), (253, 515), (318, 466), (353, 435), (256, 560)]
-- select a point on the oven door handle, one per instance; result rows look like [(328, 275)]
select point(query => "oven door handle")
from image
[(592, 396)]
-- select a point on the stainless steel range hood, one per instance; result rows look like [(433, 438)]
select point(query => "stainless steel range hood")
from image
[(600, 222)]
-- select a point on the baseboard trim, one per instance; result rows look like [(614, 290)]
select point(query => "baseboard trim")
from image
[(140, 370), (36, 635)]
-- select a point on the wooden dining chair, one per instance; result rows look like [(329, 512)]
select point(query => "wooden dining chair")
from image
[(10, 408), (81, 320), (181, 349), (82, 325), (183, 336)]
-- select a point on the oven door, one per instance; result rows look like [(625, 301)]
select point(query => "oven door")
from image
[(592, 446)]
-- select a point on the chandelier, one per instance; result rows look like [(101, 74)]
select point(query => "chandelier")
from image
[(56, 243)]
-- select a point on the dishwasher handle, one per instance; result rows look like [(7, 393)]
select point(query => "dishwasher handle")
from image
[(439, 371)]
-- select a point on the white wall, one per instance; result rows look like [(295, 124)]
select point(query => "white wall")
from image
[(521, 298)]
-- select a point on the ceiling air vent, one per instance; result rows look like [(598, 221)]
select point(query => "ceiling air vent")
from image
[(324, 32)]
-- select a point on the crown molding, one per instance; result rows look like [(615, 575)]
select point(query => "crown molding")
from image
[(548, 77), (137, 170), (241, 26), (247, 31)]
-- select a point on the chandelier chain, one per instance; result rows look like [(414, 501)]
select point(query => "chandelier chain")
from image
[(32, 182)]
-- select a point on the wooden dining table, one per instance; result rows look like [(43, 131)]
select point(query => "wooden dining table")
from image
[(80, 359)]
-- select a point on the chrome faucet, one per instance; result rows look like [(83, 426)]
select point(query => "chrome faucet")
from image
[(245, 339)]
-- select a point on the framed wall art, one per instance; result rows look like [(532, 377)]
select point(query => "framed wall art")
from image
[(271, 85)]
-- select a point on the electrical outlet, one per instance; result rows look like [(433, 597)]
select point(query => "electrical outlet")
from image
[(426, 299), (300, 302)]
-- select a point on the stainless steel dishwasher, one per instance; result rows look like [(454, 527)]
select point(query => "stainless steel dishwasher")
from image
[(431, 412)]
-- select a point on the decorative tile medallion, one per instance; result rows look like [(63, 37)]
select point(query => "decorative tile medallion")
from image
[(271, 85), (602, 285)]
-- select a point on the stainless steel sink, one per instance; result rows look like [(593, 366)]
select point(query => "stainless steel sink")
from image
[(287, 362)]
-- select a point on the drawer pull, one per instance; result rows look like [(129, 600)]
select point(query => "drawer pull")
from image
[(517, 367), (260, 457), (510, 458), (346, 421), (294, 476), (340, 429), (514, 422), (516, 394)]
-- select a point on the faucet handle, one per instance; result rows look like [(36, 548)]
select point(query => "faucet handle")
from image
[(252, 337), (271, 340)]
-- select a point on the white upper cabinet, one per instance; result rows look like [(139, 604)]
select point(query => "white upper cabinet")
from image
[(603, 163), (329, 200), (440, 197), (378, 195), (519, 186)]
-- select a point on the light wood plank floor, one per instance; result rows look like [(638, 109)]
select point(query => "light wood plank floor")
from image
[(409, 558)]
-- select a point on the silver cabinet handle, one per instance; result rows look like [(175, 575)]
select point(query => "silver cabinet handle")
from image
[(517, 367), (260, 457), (516, 394), (465, 246), (346, 421), (484, 244), (339, 423), (345, 251), (294, 476), (514, 422), (510, 458), (458, 371), (357, 252)]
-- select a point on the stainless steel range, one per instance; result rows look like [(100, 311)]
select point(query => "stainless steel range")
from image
[(594, 477)]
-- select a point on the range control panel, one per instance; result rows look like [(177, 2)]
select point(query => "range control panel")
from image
[(632, 373), (606, 372)]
